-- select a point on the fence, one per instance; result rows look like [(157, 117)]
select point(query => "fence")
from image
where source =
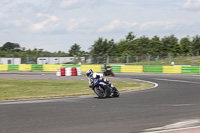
[(147, 60), (126, 59)]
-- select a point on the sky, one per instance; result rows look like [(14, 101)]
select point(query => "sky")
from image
[(56, 25)]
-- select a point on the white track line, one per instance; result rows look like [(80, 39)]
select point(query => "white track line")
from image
[(170, 130), (155, 85), (177, 81)]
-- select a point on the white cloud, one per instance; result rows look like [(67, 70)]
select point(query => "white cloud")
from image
[(47, 24), (165, 25), (68, 3), (192, 5), (116, 25), (72, 24)]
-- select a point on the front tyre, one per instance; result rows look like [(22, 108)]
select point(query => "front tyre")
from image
[(100, 92)]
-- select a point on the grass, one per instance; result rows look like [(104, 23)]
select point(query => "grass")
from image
[(16, 89)]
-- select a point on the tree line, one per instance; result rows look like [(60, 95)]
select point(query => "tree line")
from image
[(131, 45), (10, 49), (143, 45)]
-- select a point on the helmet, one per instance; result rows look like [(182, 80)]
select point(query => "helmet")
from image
[(89, 73)]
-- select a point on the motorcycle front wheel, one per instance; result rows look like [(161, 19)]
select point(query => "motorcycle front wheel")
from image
[(101, 93)]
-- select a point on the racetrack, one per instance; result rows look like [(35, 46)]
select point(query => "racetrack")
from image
[(175, 103)]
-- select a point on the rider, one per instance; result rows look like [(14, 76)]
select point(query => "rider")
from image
[(90, 74)]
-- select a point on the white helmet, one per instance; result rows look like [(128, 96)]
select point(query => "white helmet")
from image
[(89, 73)]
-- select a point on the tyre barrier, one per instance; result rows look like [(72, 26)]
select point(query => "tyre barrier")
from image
[(69, 71), (62, 71), (74, 71)]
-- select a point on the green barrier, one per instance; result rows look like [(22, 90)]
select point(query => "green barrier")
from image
[(71, 65), (116, 68), (190, 69), (13, 67), (153, 69), (36, 67)]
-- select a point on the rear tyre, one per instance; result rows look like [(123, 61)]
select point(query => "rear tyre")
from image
[(115, 93)]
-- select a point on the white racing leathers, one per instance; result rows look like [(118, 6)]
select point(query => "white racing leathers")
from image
[(104, 81)]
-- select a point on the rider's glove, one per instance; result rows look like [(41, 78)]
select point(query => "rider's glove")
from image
[(90, 85)]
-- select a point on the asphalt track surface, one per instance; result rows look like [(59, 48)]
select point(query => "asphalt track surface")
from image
[(173, 104)]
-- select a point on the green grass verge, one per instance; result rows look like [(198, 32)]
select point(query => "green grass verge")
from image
[(16, 89)]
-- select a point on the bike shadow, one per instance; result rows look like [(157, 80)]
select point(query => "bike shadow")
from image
[(111, 97)]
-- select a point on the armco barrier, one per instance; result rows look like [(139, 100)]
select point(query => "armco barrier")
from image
[(190, 70), (95, 68), (172, 69), (49, 68), (153, 69), (3, 67), (135, 69), (13, 67), (24, 67), (37, 67), (116, 68)]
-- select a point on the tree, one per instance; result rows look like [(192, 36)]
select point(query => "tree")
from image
[(74, 50), (111, 47), (122, 48), (196, 45), (102, 47), (130, 37), (155, 46), (11, 46), (169, 42), (176, 49), (185, 45), (142, 46)]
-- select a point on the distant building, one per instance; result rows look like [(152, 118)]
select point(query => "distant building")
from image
[(10, 60), (58, 60)]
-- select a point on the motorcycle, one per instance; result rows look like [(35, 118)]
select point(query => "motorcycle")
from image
[(108, 71), (102, 89)]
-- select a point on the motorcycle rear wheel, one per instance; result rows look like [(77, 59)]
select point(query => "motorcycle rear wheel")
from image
[(116, 93)]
